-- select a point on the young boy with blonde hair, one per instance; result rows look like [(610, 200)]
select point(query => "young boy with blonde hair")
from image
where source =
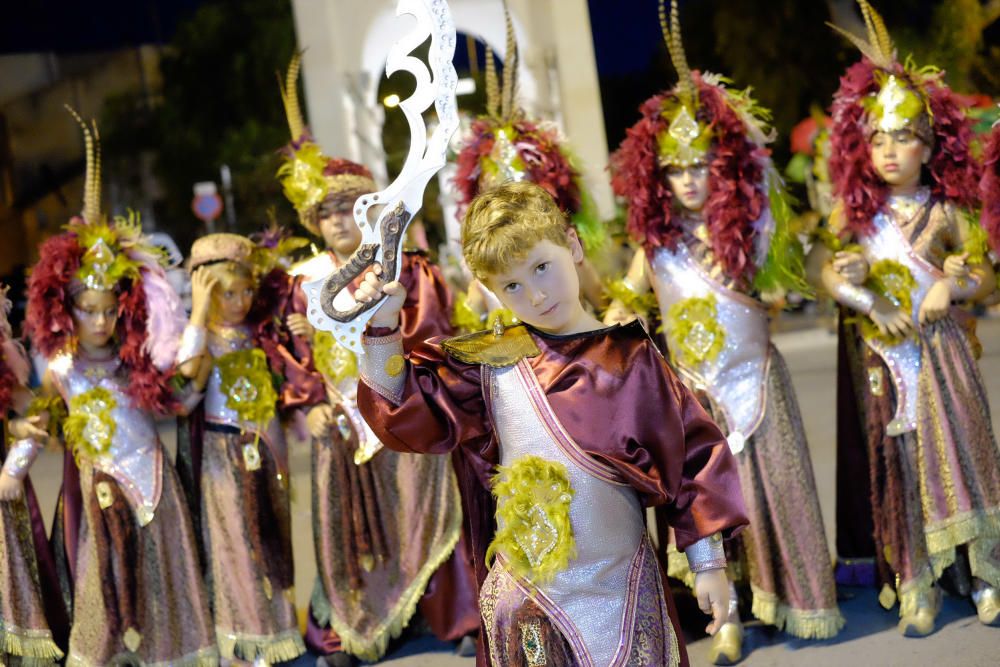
[(565, 431)]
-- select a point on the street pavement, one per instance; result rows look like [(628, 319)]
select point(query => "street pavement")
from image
[(870, 637)]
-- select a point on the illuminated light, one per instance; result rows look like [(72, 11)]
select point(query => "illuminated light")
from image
[(391, 101), (465, 86)]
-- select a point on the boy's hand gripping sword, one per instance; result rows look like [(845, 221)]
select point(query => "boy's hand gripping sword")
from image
[(330, 305)]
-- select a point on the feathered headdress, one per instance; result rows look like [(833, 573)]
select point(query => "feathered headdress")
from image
[(881, 94), (701, 119), (989, 188), (505, 145), (14, 366), (900, 102), (308, 177), (94, 253)]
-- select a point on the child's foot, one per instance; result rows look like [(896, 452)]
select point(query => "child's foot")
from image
[(727, 644), (919, 622), (987, 600)]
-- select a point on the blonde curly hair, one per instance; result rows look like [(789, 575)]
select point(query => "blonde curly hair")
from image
[(503, 225)]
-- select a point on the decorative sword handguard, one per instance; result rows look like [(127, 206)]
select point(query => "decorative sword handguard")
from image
[(381, 242), (364, 257)]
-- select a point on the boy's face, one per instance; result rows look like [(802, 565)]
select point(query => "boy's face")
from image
[(543, 289), (337, 227)]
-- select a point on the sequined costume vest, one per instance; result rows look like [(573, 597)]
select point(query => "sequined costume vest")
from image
[(887, 242), (135, 456), (718, 339), (608, 603)]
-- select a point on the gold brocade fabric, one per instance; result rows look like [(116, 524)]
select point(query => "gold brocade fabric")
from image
[(784, 547), (24, 632), (177, 629), (416, 506), (246, 531)]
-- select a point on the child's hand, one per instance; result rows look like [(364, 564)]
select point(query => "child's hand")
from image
[(10, 488), (711, 587), (374, 287), (318, 420), (955, 266), (299, 325), (28, 427), (852, 266), (203, 281), (889, 318), (936, 304)]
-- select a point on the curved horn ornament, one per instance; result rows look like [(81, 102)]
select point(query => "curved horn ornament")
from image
[(330, 306)]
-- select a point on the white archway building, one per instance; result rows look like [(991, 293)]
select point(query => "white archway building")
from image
[(346, 43)]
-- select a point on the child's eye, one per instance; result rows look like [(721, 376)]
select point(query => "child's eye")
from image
[(542, 268), (511, 287), (228, 294), (248, 292)]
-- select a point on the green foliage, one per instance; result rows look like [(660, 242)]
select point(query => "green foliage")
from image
[(219, 105)]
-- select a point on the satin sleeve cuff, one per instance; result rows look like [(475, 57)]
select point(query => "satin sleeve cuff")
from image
[(963, 288), (706, 554), (21, 454), (194, 342), (855, 297), (383, 367)]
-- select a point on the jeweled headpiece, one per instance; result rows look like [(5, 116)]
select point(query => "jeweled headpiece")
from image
[(685, 141), (307, 176), (104, 263), (899, 103), (506, 145)]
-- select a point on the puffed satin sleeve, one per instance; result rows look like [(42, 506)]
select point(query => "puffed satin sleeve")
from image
[(623, 404), (426, 313), (441, 408), (303, 385)]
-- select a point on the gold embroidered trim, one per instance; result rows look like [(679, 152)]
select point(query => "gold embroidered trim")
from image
[(394, 365), (531, 643), (977, 529), (802, 623), (132, 639), (105, 498), (251, 457), (36, 645), (280, 647)]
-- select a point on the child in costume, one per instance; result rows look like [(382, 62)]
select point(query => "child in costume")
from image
[(386, 525), (707, 207), (235, 352), (553, 489), (506, 145), (25, 560), (102, 313), (902, 175)]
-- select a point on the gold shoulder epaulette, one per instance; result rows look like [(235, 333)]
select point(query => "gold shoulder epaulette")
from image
[(497, 347)]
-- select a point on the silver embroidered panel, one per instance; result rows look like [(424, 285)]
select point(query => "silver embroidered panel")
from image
[(135, 457), (607, 519), (735, 380), (902, 359)]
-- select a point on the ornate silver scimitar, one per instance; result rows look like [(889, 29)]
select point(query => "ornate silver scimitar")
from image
[(330, 306)]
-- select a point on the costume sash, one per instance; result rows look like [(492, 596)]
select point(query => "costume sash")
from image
[(593, 602), (717, 337), (135, 457), (887, 242)]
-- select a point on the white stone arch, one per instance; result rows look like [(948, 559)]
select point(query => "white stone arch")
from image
[(346, 43)]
